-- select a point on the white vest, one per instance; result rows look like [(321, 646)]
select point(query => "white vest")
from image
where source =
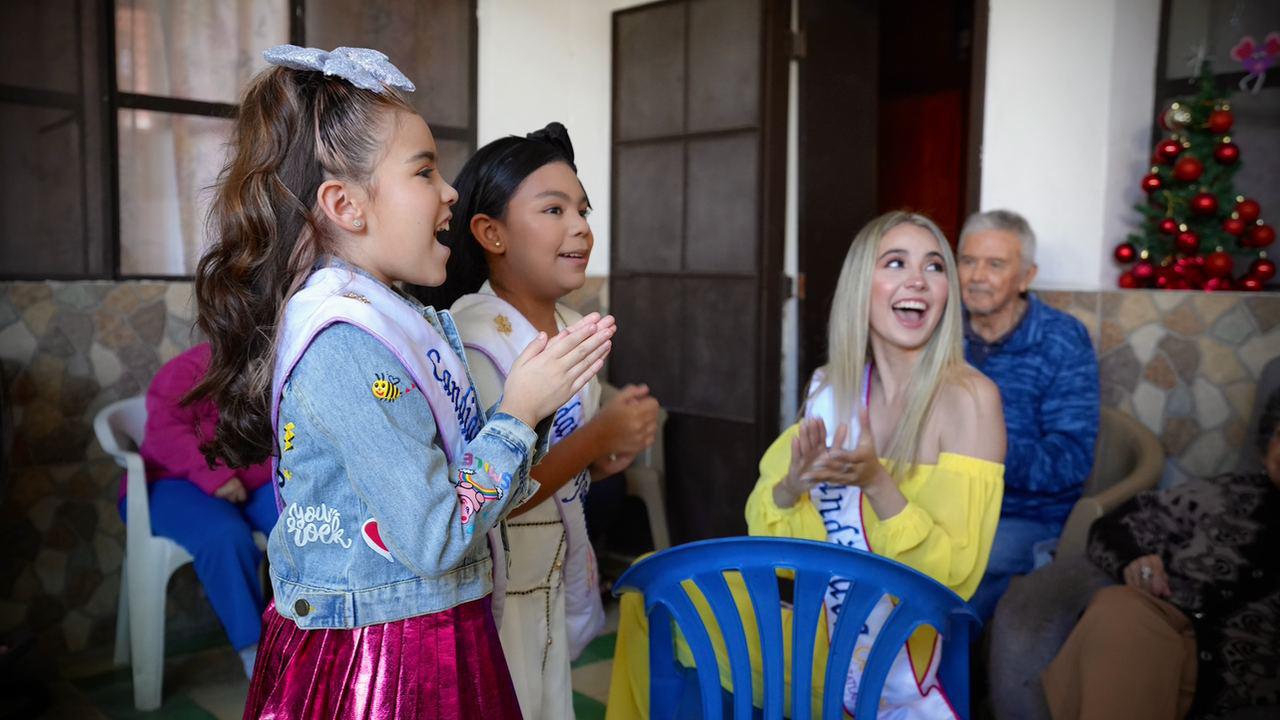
[(498, 331)]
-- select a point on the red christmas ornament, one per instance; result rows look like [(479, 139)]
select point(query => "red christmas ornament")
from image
[(1220, 121), (1263, 269), (1125, 253), (1261, 236), (1204, 204), (1169, 226), (1250, 283), (1168, 148), (1227, 153), (1143, 270), (1152, 183), (1233, 226), (1248, 209), (1128, 281), (1218, 284), (1188, 169), (1218, 264), (1187, 270), (1187, 243)]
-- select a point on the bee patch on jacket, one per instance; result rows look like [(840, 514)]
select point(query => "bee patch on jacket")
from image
[(386, 387)]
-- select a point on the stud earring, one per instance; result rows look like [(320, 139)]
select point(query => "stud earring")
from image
[(497, 243), (358, 223)]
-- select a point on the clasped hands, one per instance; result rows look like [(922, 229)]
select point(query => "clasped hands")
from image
[(813, 462), (1147, 574)]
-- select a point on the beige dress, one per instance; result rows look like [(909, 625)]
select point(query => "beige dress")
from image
[(533, 630)]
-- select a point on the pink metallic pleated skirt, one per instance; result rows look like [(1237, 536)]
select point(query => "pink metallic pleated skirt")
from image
[(443, 665)]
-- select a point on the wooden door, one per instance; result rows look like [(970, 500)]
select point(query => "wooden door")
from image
[(699, 113), (838, 110)]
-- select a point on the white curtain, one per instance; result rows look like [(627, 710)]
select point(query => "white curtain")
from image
[(194, 50)]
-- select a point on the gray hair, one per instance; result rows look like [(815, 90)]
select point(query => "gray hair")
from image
[(1008, 221)]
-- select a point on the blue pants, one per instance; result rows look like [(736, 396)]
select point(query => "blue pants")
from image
[(1020, 546), (219, 535)]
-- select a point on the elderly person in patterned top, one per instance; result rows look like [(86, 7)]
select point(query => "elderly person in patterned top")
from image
[(1044, 364), (1196, 624)]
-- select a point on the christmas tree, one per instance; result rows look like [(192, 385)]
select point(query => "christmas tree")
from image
[(1197, 233)]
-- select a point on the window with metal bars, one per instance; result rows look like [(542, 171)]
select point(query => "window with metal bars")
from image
[(115, 114)]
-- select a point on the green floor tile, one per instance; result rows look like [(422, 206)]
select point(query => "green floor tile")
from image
[(599, 649), (587, 709), (194, 643), (116, 676), (116, 702)]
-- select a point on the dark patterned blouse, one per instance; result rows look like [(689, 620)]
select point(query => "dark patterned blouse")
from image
[(1220, 543)]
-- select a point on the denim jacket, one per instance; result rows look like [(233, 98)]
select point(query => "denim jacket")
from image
[(372, 529)]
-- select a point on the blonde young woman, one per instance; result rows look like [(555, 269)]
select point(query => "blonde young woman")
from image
[(900, 439)]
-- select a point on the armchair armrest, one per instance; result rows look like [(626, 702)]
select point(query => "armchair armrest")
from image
[(137, 504), (1145, 475)]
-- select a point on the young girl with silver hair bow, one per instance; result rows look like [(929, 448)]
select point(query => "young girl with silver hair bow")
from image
[(389, 472)]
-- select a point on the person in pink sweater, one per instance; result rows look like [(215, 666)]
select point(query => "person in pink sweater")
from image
[(210, 511)]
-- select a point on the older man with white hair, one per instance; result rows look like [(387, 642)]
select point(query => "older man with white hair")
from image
[(1044, 364)]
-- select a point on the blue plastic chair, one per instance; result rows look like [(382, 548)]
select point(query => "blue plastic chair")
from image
[(922, 601)]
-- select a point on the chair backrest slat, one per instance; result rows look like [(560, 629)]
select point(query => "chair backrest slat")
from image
[(895, 631), (853, 616), (716, 591), (920, 601), (807, 611), (762, 586), (704, 654), (663, 680), (120, 427)]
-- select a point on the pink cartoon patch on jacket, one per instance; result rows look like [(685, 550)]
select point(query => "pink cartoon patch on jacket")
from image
[(471, 495)]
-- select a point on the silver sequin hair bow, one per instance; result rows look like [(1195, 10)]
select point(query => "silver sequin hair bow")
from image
[(362, 67)]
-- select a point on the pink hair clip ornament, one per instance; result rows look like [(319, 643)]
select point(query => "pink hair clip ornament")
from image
[(1256, 59)]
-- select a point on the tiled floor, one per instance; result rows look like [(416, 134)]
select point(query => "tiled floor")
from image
[(204, 680)]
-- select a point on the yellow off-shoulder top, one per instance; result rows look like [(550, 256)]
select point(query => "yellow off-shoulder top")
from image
[(945, 531)]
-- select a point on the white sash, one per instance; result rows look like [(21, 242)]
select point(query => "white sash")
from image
[(840, 507), (499, 332), (335, 294)]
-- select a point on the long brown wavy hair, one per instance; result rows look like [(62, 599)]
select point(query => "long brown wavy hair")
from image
[(295, 130)]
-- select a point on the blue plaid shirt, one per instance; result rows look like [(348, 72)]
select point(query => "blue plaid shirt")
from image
[(1048, 378)]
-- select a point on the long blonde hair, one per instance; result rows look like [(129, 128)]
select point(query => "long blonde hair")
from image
[(849, 338)]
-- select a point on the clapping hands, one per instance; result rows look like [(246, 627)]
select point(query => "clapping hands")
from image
[(813, 462), (551, 370)]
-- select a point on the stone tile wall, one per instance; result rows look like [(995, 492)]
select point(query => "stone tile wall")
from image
[(68, 350), (1183, 363), (1186, 364)]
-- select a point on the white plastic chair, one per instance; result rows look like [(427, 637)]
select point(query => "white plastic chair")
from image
[(645, 479), (149, 561)]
